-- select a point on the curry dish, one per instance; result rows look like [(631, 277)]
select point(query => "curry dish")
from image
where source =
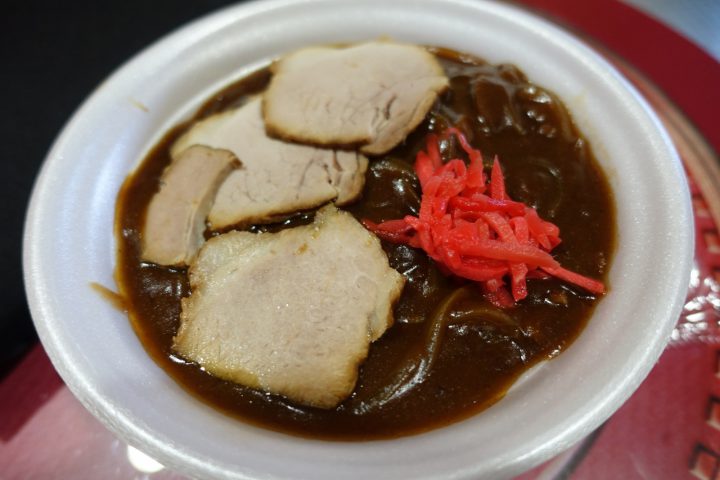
[(450, 353)]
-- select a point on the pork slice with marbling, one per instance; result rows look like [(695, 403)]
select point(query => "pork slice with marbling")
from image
[(293, 312), (175, 219), (370, 95), (278, 178)]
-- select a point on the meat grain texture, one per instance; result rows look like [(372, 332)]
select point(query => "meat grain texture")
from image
[(292, 312), (369, 95), (175, 219), (277, 178)]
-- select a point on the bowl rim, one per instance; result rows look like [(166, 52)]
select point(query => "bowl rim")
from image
[(139, 435)]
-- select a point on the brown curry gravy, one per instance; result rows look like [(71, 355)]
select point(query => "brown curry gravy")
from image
[(482, 350)]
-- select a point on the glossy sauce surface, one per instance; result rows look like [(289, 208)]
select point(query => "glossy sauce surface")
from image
[(450, 354)]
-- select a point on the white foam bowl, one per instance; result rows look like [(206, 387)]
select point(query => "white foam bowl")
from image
[(69, 244)]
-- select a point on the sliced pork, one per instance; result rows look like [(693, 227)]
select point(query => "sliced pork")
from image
[(175, 219), (293, 312), (278, 178), (370, 95)]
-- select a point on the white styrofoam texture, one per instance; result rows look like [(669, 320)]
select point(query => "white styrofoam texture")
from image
[(69, 243)]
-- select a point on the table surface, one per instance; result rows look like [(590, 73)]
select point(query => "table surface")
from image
[(699, 20), (49, 44)]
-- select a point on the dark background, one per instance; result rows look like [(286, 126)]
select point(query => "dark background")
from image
[(53, 54)]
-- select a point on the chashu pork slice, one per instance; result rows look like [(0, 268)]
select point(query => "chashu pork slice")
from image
[(293, 312), (175, 219), (370, 95), (278, 178)]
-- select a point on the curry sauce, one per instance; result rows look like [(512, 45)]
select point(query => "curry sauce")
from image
[(476, 350)]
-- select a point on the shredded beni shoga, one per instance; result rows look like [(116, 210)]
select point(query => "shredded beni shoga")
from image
[(472, 228)]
